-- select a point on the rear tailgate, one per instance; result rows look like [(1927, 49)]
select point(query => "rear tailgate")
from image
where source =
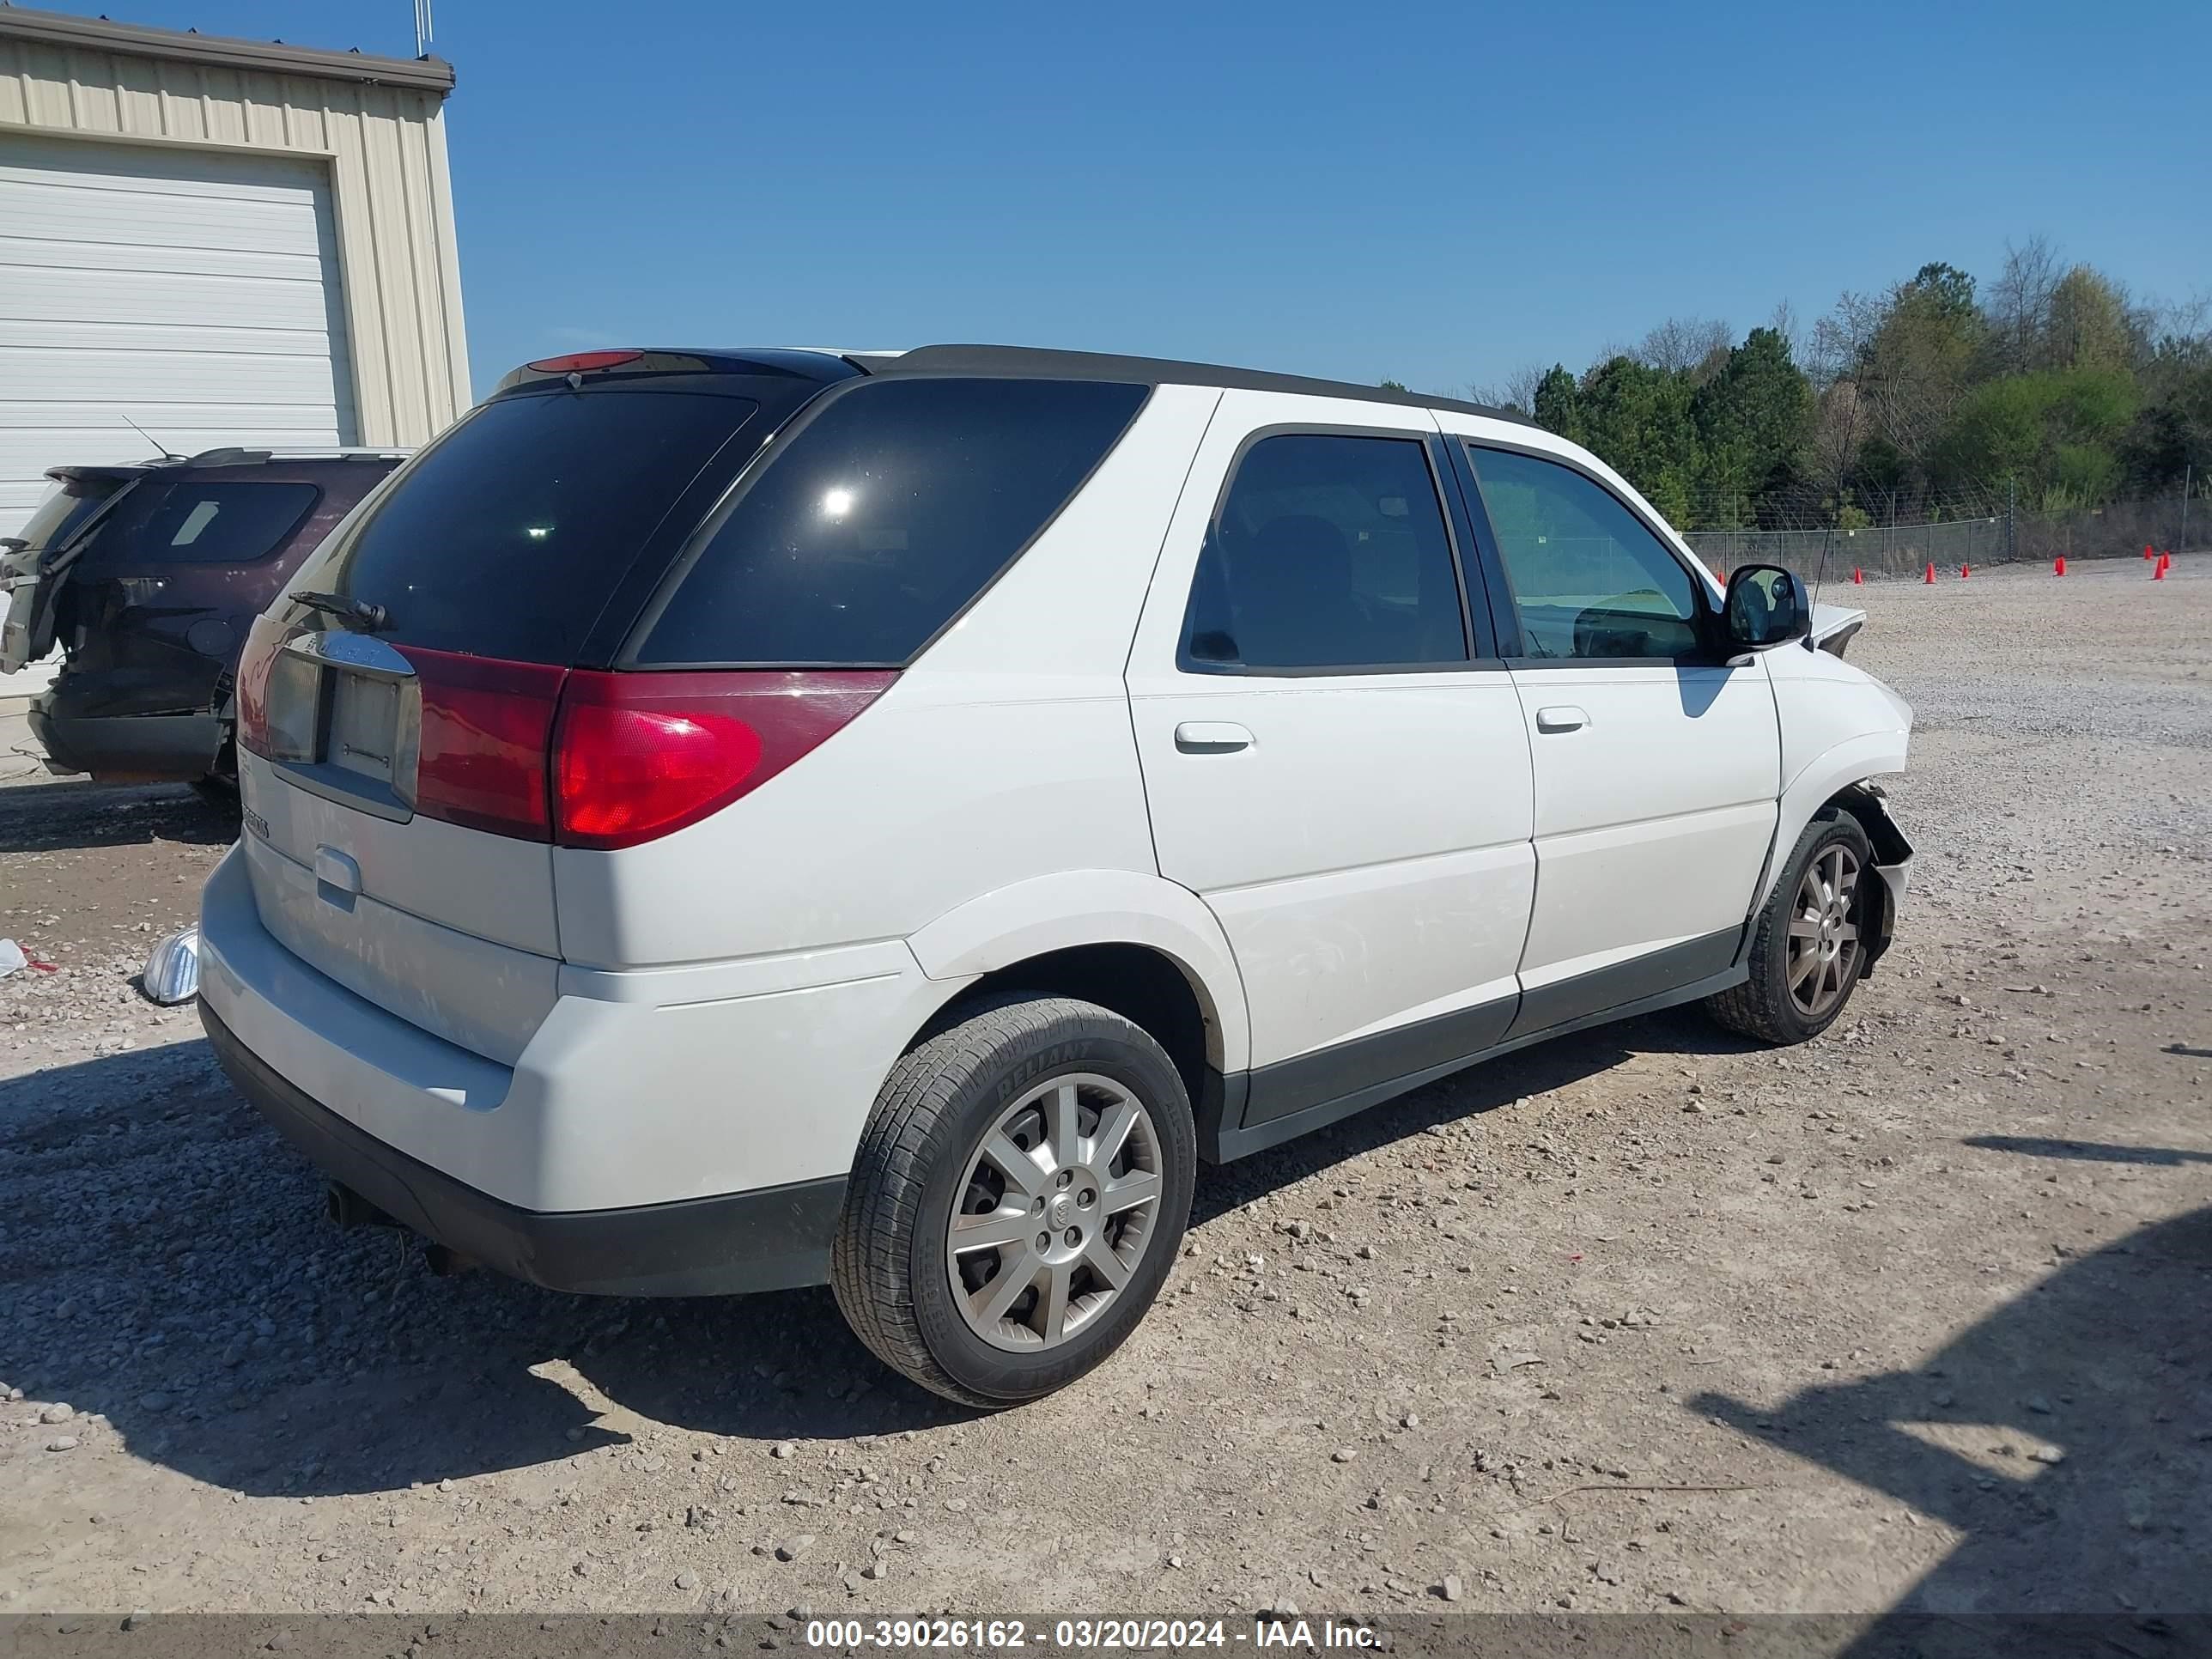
[(34, 565), (394, 729)]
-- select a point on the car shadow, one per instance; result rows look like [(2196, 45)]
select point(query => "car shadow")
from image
[(166, 1263), (1479, 1090), (53, 818), (2090, 1151), (2063, 1435)]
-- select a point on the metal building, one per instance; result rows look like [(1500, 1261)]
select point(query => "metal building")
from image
[(216, 242)]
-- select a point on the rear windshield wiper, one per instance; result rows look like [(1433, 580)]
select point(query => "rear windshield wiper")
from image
[(368, 618)]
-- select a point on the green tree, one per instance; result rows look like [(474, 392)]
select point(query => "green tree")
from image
[(2054, 435), (2173, 431), (2088, 323), (1637, 419), (1558, 405), (1917, 365), (1393, 385), (1754, 418)]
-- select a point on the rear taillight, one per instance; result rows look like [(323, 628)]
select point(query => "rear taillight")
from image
[(638, 755), (262, 641), (487, 728)]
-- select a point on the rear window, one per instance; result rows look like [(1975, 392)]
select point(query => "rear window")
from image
[(509, 534), (189, 523), (885, 516), (64, 507)]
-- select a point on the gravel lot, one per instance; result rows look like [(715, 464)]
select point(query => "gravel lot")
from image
[(1644, 1319)]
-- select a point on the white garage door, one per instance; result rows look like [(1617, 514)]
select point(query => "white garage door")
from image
[(192, 293)]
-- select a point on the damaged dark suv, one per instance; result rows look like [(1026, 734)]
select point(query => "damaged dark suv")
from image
[(148, 577)]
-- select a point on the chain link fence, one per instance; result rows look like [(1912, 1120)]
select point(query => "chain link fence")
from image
[(2114, 531)]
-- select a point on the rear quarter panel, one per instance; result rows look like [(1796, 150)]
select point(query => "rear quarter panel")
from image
[(1004, 754)]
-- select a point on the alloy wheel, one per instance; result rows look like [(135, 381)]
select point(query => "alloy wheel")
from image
[(1059, 1204), (1824, 935)]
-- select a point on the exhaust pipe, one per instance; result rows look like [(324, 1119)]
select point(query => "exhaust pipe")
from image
[(348, 1208), (444, 1263)]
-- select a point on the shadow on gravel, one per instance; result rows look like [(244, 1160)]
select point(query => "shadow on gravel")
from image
[(2068, 1435), (53, 817), (165, 1262), (1480, 1088), (2089, 1151)]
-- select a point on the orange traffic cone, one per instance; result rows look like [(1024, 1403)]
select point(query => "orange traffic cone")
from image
[(2146, 552), (1965, 571), (2165, 561), (1930, 579), (2058, 566), (2158, 571), (1858, 577)]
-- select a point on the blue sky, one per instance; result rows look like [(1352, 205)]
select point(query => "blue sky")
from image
[(1434, 193)]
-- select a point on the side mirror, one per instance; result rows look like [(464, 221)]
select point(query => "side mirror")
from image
[(1766, 606)]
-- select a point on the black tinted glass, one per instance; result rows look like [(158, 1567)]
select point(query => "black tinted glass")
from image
[(1331, 552), (193, 523), (66, 506), (507, 538), (888, 512)]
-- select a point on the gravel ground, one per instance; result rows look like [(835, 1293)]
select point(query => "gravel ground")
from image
[(1914, 1316)]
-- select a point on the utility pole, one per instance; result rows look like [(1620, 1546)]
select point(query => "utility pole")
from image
[(2188, 475)]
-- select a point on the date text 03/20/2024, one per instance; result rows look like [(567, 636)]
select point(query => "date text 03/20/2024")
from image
[(1138, 1635)]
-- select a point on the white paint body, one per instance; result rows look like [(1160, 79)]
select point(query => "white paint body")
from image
[(1325, 858)]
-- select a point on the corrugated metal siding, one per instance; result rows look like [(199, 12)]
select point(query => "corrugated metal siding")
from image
[(153, 290), (386, 147)]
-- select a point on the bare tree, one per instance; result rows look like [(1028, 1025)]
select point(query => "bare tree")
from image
[(1605, 353), (1783, 320), (1684, 342), (1840, 425), (1516, 391), (1842, 339), (2019, 303)]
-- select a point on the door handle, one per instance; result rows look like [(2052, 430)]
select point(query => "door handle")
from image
[(1561, 718), (1210, 737)]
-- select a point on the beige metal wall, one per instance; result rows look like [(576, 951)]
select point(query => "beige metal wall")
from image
[(386, 147)]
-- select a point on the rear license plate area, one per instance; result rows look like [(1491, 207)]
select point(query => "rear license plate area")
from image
[(344, 715), (364, 725)]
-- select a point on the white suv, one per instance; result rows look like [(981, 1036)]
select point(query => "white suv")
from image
[(719, 821)]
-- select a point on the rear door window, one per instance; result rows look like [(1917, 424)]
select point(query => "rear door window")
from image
[(209, 523), (508, 536), (1329, 552), (885, 517)]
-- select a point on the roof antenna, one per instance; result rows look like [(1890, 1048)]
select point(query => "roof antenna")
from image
[(160, 448), (1819, 571), (422, 29)]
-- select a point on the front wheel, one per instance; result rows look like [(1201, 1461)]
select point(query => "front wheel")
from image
[(1017, 1200), (1808, 946)]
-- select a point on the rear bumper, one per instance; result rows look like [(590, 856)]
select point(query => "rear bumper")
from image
[(769, 1239), (141, 747)]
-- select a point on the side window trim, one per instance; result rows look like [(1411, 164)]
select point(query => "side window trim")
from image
[(1707, 616), (1473, 639), (1497, 592)]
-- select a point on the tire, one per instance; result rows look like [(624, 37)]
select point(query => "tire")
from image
[(1002, 1071), (1764, 1006)]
